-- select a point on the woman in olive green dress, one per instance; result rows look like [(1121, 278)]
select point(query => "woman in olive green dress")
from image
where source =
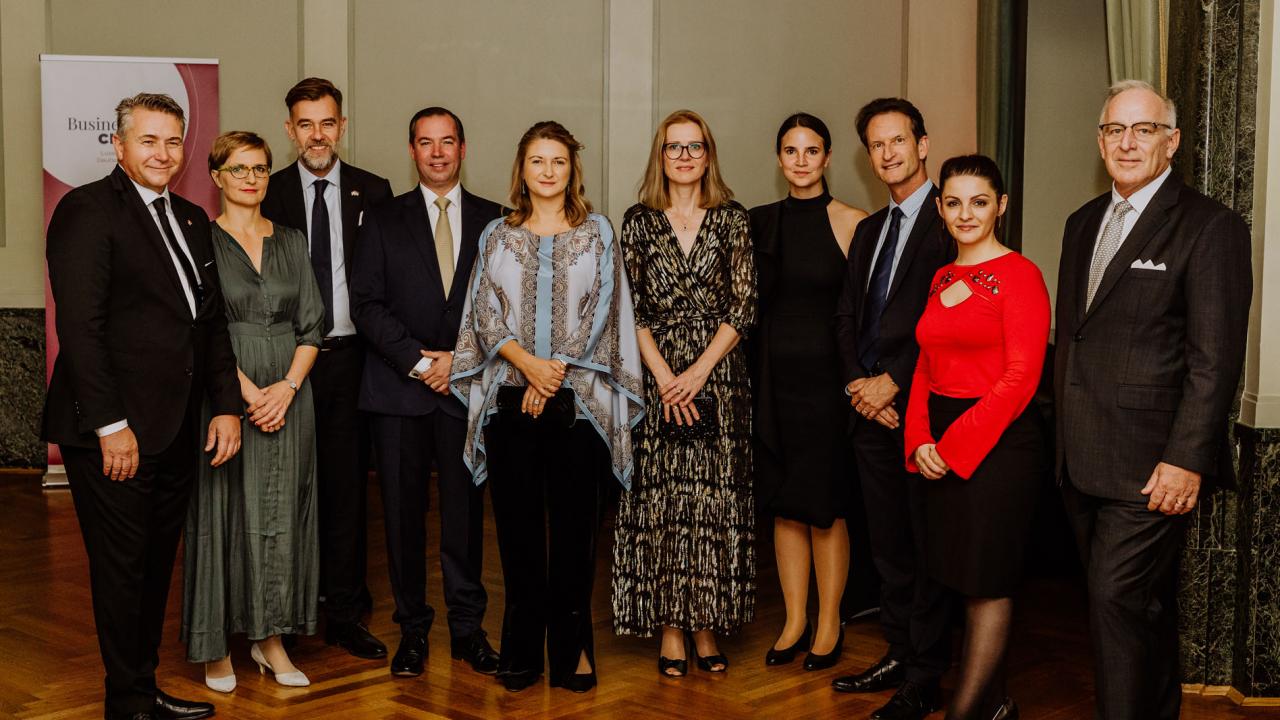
[(251, 562)]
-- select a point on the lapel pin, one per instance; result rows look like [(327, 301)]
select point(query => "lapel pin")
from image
[(355, 193), (188, 223)]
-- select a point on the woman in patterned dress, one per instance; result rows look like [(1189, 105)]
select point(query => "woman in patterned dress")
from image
[(548, 367), (683, 553)]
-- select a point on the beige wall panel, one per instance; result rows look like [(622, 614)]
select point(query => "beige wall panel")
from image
[(22, 256), (500, 66), (1066, 81), (942, 75), (747, 65)]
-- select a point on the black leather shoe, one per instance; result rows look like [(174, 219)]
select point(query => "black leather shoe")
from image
[(885, 674), (578, 682), (169, 707), (913, 701), (409, 656), (477, 651), (786, 655), (814, 661), (517, 681), (356, 639)]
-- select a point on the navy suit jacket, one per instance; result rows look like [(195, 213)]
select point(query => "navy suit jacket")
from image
[(398, 300)]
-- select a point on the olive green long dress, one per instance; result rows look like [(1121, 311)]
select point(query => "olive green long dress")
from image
[(251, 563)]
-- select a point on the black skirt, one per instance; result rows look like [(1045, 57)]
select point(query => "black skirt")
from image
[(977, 530)]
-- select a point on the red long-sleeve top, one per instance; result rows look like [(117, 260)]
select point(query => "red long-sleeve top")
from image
[(989, 346)]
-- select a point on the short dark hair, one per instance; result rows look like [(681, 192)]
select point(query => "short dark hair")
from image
[(156, 102), (434, 111), (312, 88), (975, 166), (880, 106), (233, 140), (804, 120)]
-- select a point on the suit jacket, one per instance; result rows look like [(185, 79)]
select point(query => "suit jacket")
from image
[(929, 247), (398, 300), (129, 347), (361, 191), (1149, 371)]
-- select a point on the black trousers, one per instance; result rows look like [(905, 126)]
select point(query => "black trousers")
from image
[(342, 462), (1131, 557), (862, 588), (131, 530), (406, 448), (914, 609), (547, 486)]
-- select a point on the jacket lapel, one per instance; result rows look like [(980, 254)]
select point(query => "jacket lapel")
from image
[(1086, 238), (1149, 223), (419, 223), (926, 218), (352, 204), (473, 223), (142, 216), (863, 252)]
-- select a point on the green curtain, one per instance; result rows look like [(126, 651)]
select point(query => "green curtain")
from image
[(1002, 79), (1136, 32)]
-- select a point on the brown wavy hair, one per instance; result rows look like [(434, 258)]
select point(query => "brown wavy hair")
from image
[(576, 205), (653, 189)]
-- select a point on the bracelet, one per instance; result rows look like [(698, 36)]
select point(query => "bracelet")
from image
[(292, 385)]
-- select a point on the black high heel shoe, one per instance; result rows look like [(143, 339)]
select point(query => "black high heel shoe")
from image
[(706, 664), (517, 681), (813, 661), (786, 655), (680, 666), (580, 682)]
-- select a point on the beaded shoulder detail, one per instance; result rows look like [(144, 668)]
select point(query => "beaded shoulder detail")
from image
[(984, 279)]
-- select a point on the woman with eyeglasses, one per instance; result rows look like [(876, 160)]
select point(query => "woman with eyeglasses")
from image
[(251, 563), (803, 462), (684, 560)]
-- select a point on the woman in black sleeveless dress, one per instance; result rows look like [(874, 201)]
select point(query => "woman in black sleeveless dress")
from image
[(802, 464)]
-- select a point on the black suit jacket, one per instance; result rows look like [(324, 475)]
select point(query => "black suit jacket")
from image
[(1149, 371), (129, 347), (398, 300), (361, 192), (929, 247)]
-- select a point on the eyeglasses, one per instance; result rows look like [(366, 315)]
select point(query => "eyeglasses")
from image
[(241, 172), (1143, 131), (673, 151)]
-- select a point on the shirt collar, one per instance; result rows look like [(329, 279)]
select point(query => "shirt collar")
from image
[(309, 178), (914, 202), (454, 195), (1140, 199), (149, 196)]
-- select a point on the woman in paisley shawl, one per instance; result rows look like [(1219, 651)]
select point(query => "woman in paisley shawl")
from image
[(548, 366), (683, 552)]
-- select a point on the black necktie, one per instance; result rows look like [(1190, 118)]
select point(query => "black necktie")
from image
[(878, 294), (197, 290), (321, 255)]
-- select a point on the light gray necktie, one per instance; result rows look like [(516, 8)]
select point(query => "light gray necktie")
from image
[(444, 245), (1108, 244)]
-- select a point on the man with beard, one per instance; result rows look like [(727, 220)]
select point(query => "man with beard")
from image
[(327, 199)]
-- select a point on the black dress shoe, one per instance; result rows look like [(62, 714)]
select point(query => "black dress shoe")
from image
[(885, 674), (356, 639), (477, 651), (409, 656), (169, 707), (517, 681), (913, 701), (131, 716), (814, 661), (787, 654)]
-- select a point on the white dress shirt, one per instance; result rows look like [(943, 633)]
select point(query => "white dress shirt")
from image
[(1139, 200), (455, 226), (342, 322), (149, 196)]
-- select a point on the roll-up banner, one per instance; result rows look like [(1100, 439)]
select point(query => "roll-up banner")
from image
[(79, 94)]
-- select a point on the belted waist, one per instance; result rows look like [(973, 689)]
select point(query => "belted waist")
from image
[(670, 323), (259, 330)]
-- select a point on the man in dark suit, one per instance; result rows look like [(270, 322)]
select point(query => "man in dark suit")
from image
[(412, 269), (143, 343), (1152, 312), (894, 255), (316, 125)]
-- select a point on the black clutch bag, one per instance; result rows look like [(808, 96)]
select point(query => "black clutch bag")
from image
[(706, 427), (559, 410)]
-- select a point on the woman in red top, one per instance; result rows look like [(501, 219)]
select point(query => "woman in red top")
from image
[(969, 429)]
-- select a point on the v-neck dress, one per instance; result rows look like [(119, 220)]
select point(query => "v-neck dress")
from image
[(684, 542), (251, 563)]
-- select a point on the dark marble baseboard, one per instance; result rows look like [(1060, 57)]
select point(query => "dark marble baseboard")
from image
[(22, 384), (1256, 655)]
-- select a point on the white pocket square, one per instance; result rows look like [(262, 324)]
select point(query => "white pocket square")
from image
[(1147, 265), (360, 217)]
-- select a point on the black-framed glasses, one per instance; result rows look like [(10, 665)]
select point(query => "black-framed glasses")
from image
[(673, 151), (241, 172), (1112, 132)]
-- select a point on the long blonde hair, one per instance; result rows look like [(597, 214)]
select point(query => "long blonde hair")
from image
[(576, 205), (653, 190)]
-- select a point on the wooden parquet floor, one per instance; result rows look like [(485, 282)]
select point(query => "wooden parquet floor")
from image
[(50, 669)]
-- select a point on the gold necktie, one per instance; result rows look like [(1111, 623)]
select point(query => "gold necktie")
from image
[(444, 245)]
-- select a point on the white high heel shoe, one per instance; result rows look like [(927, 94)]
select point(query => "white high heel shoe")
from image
[(220, 684), (289, 679)]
